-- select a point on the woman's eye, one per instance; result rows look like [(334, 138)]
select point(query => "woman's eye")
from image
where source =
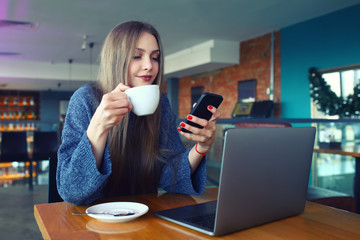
[(156, 59), (136, 57)]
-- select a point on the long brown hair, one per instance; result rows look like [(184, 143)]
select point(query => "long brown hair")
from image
[(134, 142)]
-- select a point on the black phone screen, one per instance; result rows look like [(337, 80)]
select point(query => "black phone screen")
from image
[(200, 110)]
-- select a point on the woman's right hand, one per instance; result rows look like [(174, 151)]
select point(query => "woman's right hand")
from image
[(112, 108)]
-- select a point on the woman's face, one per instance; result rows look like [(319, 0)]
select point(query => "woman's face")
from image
[(144, 65)]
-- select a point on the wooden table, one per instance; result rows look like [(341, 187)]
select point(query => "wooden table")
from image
[(317, 222), (352, 151)]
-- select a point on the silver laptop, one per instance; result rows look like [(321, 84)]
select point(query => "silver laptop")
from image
[(264, 177)]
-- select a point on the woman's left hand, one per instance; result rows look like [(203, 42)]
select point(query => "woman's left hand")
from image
[(205, 136)]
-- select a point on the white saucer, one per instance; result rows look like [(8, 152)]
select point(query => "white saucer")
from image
[(138, 209)]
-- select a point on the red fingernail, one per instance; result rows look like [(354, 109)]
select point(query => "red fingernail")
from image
[(179, 129), (210, 107), (189, 117), (182, 124)]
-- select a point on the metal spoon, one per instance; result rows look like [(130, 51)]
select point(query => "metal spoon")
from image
[(105, 213)]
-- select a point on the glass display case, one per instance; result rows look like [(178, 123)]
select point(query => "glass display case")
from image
[(19, 111), (336, 171)]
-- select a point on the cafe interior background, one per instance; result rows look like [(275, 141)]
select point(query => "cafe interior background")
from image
[(289, 55)]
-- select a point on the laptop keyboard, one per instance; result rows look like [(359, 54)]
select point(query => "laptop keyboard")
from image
[(206, 221)]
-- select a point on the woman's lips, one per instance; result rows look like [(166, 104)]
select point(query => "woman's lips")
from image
[(145, 77)]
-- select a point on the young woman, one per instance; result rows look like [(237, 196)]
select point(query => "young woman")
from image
[(107, 150)]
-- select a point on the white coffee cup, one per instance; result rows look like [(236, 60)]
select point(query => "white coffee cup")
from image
[(144, 99)]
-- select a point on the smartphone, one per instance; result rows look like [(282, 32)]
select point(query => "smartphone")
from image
[(200, 110)]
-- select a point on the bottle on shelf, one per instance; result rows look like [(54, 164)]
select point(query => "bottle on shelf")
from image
[(24, 102), (19, 115), (33, 115), (28, 115), (10, 102), (32, 103)]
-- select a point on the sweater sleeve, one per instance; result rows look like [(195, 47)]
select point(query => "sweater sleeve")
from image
[(175, 174), (78, 179)]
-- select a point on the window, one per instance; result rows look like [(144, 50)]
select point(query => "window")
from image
[(343, 82), (247, 91), (338, 99)]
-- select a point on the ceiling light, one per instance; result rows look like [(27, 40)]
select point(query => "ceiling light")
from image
[(9, 53), (84, 43), (19, 24)]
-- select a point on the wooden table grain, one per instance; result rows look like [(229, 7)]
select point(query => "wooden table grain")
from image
[(55, 221)]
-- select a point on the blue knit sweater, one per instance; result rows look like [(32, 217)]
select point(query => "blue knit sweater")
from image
[(78, 179)]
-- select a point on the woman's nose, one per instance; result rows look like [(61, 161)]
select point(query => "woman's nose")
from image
[(147, 64)]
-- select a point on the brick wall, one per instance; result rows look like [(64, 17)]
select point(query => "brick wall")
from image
[(254, 64)]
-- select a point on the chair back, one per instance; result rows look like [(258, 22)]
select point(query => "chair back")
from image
[(53, 192), (45, 145), (261, 124), (14, 147)]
